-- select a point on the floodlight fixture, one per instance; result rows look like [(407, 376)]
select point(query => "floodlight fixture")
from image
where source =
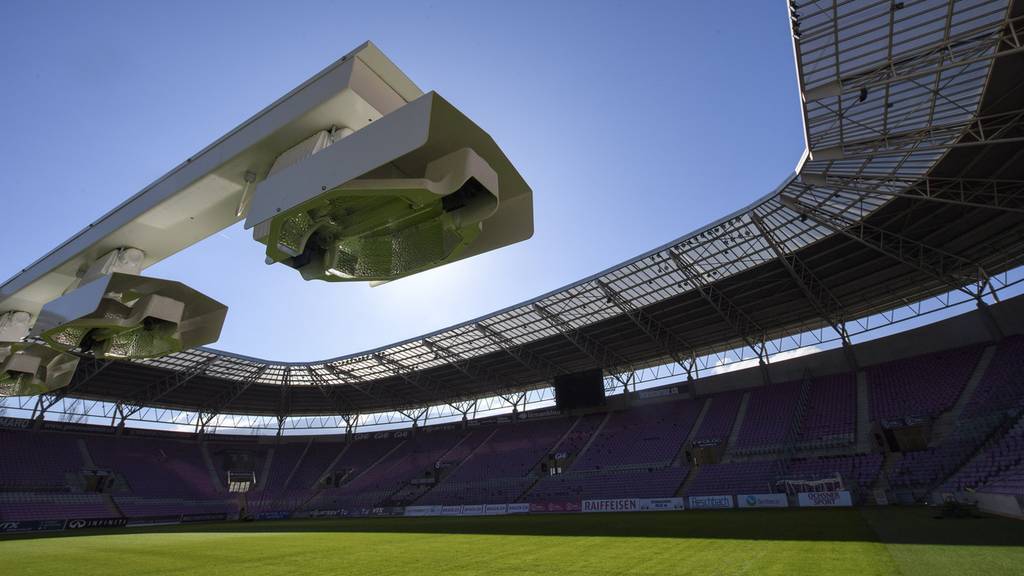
[(419, 188), (29, 369), (356, 174), (125, 316)]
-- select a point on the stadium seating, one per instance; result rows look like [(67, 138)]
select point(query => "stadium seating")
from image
[(628, 452), (37, 460), (633, 483), (859, 471), (720, 417), (751, 477), (922, 386), (831, 418), (53, 506), (155, 467), (1001, 388), (649, 435), (769, 417)]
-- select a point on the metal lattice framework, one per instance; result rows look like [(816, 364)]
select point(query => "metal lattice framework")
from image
[(908, 200)]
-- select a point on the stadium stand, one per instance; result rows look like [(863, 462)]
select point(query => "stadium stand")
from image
[(619, 453), (897, 390), (831, 418)]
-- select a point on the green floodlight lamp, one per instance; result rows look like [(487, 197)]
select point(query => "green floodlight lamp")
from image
[(125, 316), (419, 188), (28, 369)]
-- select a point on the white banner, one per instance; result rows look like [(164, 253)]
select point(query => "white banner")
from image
[(836, 498), (612, 505), (473, 510), (451, 510), (495, 509), (423, 510), (762, 501), (521, 508), (654, 504), (704, 502)]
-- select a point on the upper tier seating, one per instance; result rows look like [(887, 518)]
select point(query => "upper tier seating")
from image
[(920, 386)]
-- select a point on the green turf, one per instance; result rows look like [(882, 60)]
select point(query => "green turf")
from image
[(790, 542)]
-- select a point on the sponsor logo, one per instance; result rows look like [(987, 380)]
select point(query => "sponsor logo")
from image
[(831, 498), (423, 510), (521, 508), (29, 525), (451, 510), (273, 515), (50, 525), (323, 513), (705, 502), (495, 509), (155, 521), (612, 505), (96, 523), (658, 504), (762, 501), (207, 517), (658, 393), (8, 422)]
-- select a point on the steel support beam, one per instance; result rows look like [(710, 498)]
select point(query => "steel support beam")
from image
[(605, 358), (331, 394), (817, 294), (999, 128), (543, 368), (950, 269), (87, 369), (469, 369), (735, 317), (353, 380), (417, 379), (965, 48), (163, 387), (226, 397), (670, 343), (1001, 195)]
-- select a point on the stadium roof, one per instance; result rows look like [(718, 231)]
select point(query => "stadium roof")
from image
[(912, 185)]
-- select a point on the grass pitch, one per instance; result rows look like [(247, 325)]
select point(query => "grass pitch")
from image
[(790, 542)]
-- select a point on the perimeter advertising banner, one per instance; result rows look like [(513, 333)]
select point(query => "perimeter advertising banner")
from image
[(706, 502), (521, 508), (205, 517), (31, 525), (762, 501), (496, 509), (154, 521), (822, 499), (661, 504), (423, 510), (79, 523), (612, 505), (273, 515), (554, 507), (473, 510), (451, 510)]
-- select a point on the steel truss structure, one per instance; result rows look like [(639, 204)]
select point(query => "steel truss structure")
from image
[(909, 200)]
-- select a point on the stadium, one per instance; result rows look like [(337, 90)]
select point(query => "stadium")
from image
[(827, 380)]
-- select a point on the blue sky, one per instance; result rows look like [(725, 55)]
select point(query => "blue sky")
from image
[(633, 122)]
